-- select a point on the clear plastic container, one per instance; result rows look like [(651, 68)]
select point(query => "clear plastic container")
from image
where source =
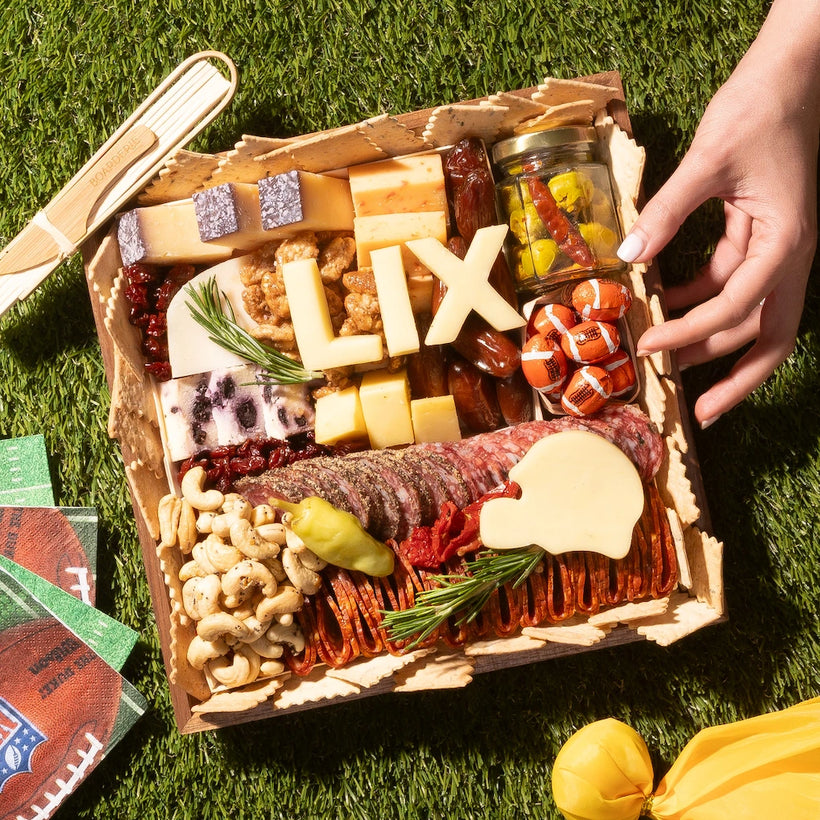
[(557, 199)]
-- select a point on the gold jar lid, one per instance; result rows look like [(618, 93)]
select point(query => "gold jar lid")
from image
[(540, 140)]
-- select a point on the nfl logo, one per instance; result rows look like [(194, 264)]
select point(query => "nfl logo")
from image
[(18, 740)]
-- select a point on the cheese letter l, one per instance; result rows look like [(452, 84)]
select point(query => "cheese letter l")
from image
[(467, 283)]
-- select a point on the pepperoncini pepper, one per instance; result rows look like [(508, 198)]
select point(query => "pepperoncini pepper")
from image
[(337, 537)]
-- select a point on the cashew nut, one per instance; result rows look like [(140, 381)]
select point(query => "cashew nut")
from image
[(304, 579), (203, 522), (200, 596), (192, 489), (256, 628), (200, 553), (266, 648), (291, 635), (243, 578), (273, 532), (286, 618), (218, 554), (245, 538), (276, 568), (168, 511), (293, 541), (287, 599), (311, 560), (263, 514), (247, 609), (270, 669), (186, 531), (221, 625), (201, 651), (191, 569), (237, 671), (238, 505)]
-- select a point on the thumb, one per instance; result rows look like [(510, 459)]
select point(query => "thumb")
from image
[(690, 186)]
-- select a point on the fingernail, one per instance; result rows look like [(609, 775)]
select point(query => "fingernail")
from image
[(642, 351), (631, 248), (708, 422)]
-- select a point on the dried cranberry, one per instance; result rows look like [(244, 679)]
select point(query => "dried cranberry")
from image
[(139, 273), (137, 295), (164, 294), (161, 371), (155, 349), (181, 274)]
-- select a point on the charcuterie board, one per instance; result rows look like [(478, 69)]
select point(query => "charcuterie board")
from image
[(573, 605)]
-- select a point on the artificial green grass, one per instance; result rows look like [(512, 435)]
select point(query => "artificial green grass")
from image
[(73, 71)]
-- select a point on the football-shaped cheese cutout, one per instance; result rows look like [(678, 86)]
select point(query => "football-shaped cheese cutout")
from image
[(41, 540), (622, 372), (59, 695), (543, 363), (590, 341), (553, 321), (603, 300), (587, 391)]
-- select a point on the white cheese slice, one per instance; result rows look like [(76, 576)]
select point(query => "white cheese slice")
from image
[(578, 492), (400, 330), (319, 349), (190, 350), (467, 283)]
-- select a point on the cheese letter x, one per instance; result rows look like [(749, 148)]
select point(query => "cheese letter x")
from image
[(467, 283)]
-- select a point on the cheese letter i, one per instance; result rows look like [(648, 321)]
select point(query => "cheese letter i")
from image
[(400, 330), (318, 347), (467, 283)]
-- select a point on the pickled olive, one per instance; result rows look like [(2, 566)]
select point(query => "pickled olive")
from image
[(540, 258), (514, 398), (486, 348), (474, 203), (337, 536), (604, 240), (572, 191), (474, 394)]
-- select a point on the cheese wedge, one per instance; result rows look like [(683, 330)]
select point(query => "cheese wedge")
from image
[(399, 185), (247, 215), (339, 417)]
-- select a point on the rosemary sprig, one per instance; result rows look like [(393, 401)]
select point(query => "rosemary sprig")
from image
[(207, 310), (464, 594)]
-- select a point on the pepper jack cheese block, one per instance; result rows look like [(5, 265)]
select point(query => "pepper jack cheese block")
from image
[(248, 215), (319, 348), (166, 235), (385, 399), (372, 232), (400, 330), (593, 505), (339, 417), (435, 419), (400, 185), (467, 283)]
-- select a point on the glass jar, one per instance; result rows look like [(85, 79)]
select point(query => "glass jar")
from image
[(557, 199)]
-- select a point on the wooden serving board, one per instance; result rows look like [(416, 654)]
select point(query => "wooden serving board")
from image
[(699, 603)]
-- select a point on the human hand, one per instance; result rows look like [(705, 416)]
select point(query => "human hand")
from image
[(756, 149)]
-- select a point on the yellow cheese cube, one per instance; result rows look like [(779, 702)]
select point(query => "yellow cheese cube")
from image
[(435, 419), (339, 417), (385, 399), (372, 232), (400, 185), (400, 331)]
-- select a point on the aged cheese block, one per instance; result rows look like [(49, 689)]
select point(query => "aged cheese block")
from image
[(435, 419), (339, 417), (319, 348), (400, 185), (165, 235), (395, 306), (385, 399), (381, 231), (248, 215)]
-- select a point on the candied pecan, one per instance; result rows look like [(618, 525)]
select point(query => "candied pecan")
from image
[(254, 300), (363, 310), (360, 281), (281, 335), (261, 260), (302, 246), (336, 257)]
